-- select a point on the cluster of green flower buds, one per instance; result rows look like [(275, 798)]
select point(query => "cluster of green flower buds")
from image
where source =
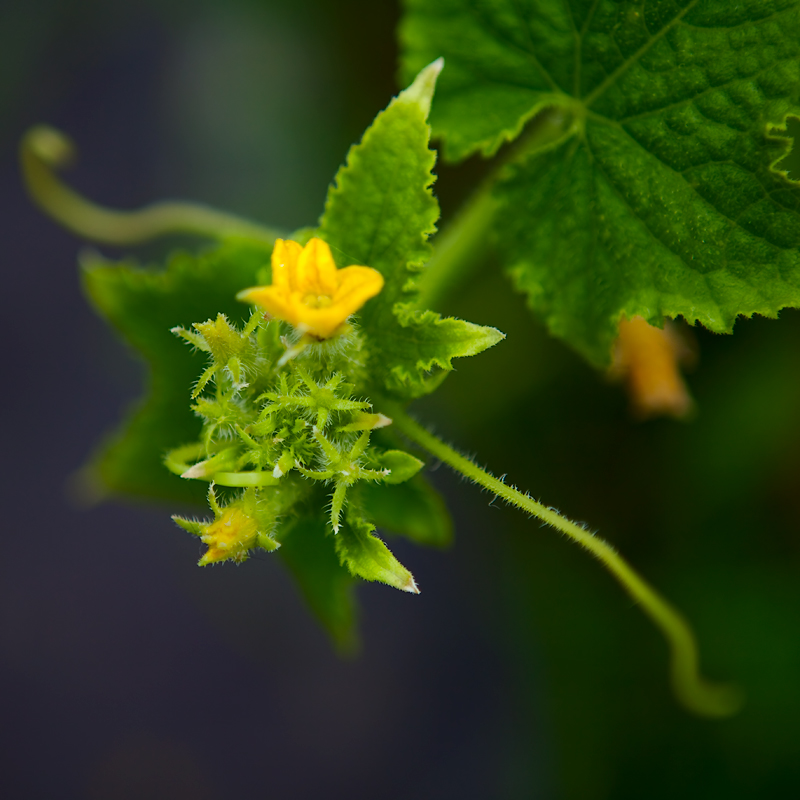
[(282, 422)]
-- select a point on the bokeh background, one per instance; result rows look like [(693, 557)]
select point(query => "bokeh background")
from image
[(522, 670)]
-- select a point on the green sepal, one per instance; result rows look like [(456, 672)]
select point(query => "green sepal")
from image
[(193, 526), (224, 341), (401, 465), (379, 213), (310, 555), (177, 461), (366, 556), (144, 304), (413, 509)]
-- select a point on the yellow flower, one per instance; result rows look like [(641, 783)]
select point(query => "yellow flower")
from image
[(309, 292)]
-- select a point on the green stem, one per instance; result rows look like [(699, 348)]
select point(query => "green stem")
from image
[(695, 693), (459, 248), (464, 242), (44, 150)]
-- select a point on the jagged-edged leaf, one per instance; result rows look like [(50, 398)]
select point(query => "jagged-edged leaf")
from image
[(366, 556), (309, 553), (143, 305), (505, 60), (379, 213), (663, 200), (380, 210), (413, 509), (416, 359)]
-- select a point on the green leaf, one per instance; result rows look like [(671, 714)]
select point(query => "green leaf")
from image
[(416, 360), (380, 210), (366, 556), (379, 213), (413, 509), (309, 554), (504, 61), (401, 465), (664, 200), (143, 305)]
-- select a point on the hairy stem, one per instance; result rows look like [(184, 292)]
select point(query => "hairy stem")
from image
[(43, 150), (695, 693)]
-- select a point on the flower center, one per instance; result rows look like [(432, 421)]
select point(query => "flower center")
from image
[(316, 300)]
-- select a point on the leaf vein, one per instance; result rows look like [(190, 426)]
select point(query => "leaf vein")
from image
[(656, 238), (486, 21), (579, 34), (629, 62), (704, 93)]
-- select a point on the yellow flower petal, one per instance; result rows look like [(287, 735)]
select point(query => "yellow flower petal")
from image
[(356, 286), (308, 291), (275, 300), (284, 263), (316, 269)]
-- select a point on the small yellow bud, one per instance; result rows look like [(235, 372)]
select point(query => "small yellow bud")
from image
[(230, 537)]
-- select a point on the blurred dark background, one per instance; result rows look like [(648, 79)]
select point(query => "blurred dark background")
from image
[(522, 671)]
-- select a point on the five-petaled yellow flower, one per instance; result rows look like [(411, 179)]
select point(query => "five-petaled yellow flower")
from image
[(309, 292)]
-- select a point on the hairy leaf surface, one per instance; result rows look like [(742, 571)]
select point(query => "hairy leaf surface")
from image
[(366, 556), (380, 213)]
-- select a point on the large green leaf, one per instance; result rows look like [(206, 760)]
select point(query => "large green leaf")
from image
[(504, 60), (663, 199), (379, 213), (143, 305)]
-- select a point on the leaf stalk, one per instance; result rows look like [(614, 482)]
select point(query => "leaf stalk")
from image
[(464, 242)]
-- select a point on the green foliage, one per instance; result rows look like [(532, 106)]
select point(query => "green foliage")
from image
[(505, 60), (143, 305), (289, 422), (658, 196), (368, 557), (644, 177), (380, 213)]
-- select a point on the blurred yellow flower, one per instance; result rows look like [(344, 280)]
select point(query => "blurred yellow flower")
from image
[(308, 291), (648, 358)]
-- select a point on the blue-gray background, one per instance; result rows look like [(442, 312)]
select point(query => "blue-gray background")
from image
[(522, 670)]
